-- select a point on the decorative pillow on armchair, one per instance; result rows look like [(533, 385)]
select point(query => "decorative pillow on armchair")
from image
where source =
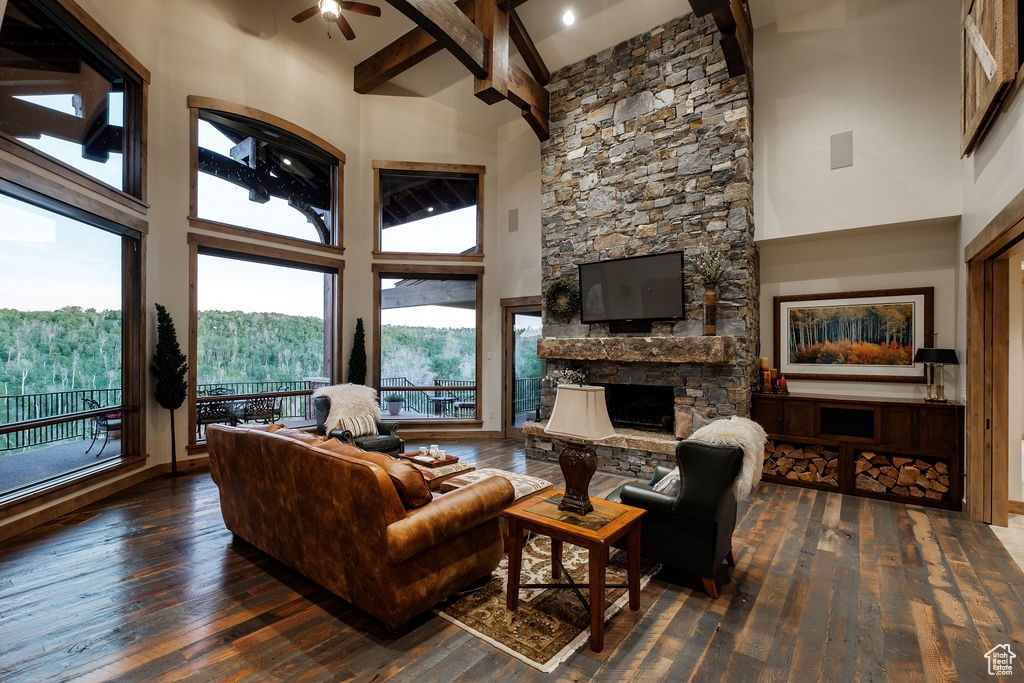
[(348, 400), (364, 425)]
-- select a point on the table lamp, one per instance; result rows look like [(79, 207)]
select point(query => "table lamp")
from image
[(580, 414), (933, 358)]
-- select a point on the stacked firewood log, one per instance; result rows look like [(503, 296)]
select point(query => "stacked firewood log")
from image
[(802, 462), (903, 476)]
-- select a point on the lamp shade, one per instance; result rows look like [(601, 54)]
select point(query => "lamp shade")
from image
[(580, 413), (939, 356)]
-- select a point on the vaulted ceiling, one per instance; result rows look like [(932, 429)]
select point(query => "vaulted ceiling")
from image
[(600, 24)]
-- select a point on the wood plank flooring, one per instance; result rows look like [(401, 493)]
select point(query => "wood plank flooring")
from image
[(147, 585)]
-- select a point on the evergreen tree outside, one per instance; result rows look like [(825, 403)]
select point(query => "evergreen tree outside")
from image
[(357, 360), (170, 367)]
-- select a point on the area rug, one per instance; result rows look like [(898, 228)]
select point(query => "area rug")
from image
[(550, 624)]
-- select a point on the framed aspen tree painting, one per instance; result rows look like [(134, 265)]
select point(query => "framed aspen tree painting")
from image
[(867, 336)]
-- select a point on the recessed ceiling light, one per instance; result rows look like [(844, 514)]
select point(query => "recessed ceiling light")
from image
[(430, 209), (569, 18), (287, 161)]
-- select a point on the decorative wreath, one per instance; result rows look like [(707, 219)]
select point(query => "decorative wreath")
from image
[(562, 298)]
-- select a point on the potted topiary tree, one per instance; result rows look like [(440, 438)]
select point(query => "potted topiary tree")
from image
[(169, 366), (357, 359), (395, 402)]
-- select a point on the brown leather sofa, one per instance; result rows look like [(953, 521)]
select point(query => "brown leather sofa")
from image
[(358, 523)]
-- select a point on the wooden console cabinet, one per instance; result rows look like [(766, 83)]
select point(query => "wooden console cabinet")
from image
[(896, 449)]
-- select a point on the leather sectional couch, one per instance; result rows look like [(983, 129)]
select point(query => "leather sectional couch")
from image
[(360, 524)]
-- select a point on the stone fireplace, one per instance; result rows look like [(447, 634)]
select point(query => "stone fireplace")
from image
[(650, 153)]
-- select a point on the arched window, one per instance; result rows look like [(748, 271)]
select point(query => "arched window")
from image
[(265, 311), (258, 173)]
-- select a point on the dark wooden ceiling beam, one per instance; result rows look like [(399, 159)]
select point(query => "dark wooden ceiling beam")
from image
[(490, 21), (732, 17), (532, 98), (493, 24), (401, 55), (450, 26), (527, 49)]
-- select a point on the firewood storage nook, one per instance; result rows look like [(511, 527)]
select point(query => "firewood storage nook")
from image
[(896, 449)]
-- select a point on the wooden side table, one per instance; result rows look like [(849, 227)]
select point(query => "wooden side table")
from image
[(595, 531)]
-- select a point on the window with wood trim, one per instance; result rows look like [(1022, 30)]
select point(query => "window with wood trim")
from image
[(264, 324), (258, 173), (989, 57), (428, 341), (69, 96), (71, 332), (428, 210)]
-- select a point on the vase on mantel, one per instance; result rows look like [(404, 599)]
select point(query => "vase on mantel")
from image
[(710, 310)]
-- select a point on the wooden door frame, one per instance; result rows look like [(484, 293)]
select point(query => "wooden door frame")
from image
[(988, 292), (510, 307)]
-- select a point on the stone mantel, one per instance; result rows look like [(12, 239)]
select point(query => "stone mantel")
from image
[(710, 350)]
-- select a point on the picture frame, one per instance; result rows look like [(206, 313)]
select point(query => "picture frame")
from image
[(865, 336)]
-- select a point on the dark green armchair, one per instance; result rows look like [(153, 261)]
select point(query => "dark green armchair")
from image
[(690, 531), (384, 441)]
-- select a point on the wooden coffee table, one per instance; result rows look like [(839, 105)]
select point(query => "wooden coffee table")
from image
[(595, 531)]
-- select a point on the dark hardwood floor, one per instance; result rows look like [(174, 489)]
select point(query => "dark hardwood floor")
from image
[(147, 585)]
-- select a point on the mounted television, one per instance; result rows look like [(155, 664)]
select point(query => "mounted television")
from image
[(636, 288)]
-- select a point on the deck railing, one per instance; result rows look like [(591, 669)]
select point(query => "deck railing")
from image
[(423, 398), (25, 407), (527, 395)]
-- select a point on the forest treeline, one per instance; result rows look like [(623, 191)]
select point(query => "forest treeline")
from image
[(74, 348)]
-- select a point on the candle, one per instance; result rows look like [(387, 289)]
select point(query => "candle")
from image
[(766, 381), (764, 363)]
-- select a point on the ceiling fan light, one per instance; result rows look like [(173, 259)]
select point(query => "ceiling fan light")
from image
[(330, 10)]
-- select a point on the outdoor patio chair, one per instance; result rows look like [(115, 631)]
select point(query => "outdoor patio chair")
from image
[(215, 411), (110, 422), (264, 409)]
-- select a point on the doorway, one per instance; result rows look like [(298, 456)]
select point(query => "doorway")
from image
[(521, 368), (994, 332)]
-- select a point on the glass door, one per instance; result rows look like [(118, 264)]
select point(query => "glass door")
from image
[(522, 372)]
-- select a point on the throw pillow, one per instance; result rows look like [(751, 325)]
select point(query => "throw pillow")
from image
[(299, 435), (669, 485), (363, 425), (408, 482)]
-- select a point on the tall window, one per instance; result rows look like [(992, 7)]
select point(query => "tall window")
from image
[(71, 322), (428, 346), (429, 209), (263, 338), (68, 96), (63, 330), (262, 175), (265, 314)]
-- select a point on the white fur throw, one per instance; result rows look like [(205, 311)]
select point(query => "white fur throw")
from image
[(348, 400), (749, 436)]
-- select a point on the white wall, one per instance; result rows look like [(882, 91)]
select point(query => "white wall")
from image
[(918, 255), (886, 70)]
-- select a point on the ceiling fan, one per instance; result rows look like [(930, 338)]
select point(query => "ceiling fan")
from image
[(330, 10)]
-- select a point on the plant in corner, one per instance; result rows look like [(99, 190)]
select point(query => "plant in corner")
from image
[(394, 402), (710, 267), (357, 359), (169, 366)]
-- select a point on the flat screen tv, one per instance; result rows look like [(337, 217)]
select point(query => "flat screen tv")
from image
[(636, 288)]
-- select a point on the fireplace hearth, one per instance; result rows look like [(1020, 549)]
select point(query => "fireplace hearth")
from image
[(639, 406)]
